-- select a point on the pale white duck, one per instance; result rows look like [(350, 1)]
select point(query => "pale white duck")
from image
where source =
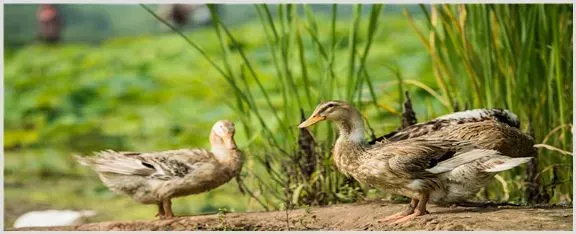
[(157, 177)]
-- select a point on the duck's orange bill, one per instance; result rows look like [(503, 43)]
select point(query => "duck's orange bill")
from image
[(310, 121)]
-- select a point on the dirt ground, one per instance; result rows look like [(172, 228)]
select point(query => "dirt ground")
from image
[(359, 216)]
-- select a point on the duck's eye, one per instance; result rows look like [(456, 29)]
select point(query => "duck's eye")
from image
[(330, 105)]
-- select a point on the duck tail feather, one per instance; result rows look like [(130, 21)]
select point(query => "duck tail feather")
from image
[(460, 159), (112, 162), (506, 164), (84, 161)]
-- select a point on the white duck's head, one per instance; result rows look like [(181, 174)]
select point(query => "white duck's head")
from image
[(222, 135)]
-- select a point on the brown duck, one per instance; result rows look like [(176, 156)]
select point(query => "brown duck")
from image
[(495, 129), (157, 177), (419, 168)]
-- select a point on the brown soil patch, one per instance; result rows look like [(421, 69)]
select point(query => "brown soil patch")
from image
[(359, 216)]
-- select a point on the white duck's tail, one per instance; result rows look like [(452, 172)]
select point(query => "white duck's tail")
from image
[(114, 162)]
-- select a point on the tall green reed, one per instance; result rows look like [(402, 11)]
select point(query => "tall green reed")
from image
[(297, 169), (483, 55), (517, 57), (285, 36)]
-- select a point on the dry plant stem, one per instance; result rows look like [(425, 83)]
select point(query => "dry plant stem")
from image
[(483, 204), (552, 148), (408, 114), (531, 193), (287, 216)]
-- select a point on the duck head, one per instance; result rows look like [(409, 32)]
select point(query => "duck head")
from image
[(345, 116), (222, 135), (331, 110)]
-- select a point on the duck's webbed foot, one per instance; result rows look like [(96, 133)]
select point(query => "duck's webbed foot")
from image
[(408, 211), (409, 217), (416, 208)]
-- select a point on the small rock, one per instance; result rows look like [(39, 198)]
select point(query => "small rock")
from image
[(47, 218), (435, 221)]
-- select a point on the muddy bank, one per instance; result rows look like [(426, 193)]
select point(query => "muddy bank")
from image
[(361, 216)]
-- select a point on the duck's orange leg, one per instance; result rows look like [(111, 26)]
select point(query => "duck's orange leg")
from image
[(160, 213), (167, 204)]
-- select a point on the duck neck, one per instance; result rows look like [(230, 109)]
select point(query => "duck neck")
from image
[(351, 130), (349, 145), (231, 159)]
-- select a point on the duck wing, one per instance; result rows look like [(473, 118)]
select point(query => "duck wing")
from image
[(477, 115), (163, 165), (423, 157)]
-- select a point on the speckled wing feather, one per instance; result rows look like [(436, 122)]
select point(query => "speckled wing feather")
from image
[(478, 115)]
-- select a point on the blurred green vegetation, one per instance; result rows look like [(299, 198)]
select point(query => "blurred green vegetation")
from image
[(149, 93), (110, 21), (517, 57)]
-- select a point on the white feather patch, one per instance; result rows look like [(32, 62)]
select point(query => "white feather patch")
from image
[(511, 116), (416, 184), (508, 164), (477, 113), (461, 159), (357, 135)]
